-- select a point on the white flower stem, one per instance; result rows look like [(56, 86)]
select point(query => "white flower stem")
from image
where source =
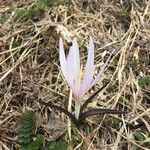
[(69, 121), (70, 101), (77, 109)]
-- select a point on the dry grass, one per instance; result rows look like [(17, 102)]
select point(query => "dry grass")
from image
[(29, 70)]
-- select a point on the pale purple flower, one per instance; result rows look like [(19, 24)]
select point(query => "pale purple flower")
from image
[(71, 69)]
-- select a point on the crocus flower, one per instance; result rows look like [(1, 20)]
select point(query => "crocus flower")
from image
[(71, 68)]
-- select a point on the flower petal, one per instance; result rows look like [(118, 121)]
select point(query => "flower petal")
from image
[(103, 68), (73, 66), (73, 59), (62, 57), (89, 70), (63, 63)]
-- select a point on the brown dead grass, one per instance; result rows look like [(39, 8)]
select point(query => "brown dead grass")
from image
[(29, 70)]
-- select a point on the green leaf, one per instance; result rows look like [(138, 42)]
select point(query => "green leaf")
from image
[(25, 136), (144, 81), (37, 144), (139, 136), (60, 145)]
